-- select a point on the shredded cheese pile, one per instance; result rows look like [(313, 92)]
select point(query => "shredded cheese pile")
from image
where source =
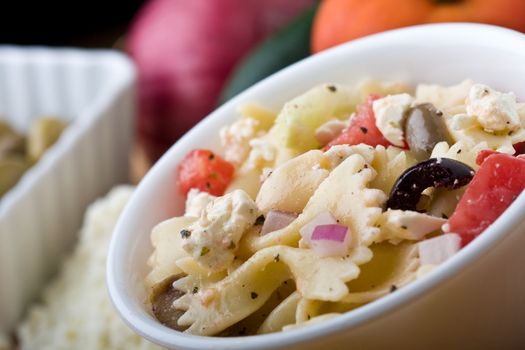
[(76, 312)]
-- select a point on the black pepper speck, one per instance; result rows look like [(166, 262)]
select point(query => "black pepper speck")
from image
[(185, 233)]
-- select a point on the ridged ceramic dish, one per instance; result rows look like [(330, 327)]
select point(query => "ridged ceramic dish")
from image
[(475, 300), (40, 216)]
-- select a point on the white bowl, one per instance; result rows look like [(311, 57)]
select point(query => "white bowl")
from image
[(41, 215), (476, 299)]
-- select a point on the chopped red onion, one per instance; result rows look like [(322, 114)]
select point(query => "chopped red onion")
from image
[(330, 240), (332, 232), (324, 218), (276, 220), (436, 250)]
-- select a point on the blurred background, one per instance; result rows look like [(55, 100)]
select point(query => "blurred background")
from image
[(190, 56), (193, 55), (91, 24)]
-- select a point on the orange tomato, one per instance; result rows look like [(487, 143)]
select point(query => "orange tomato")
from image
[(338, 21)]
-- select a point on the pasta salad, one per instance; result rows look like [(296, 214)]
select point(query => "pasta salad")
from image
[(346, 195)]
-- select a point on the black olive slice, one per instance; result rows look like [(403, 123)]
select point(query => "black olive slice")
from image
[(162, 297), (434, 172)]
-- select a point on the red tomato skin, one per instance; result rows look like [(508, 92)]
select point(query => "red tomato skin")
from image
[(484, 154), (498, 182), (204, 170), (362, 128)]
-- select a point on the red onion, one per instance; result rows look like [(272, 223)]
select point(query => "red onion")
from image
[(324, 218), (330, 240), (436, 250), (330, 233), (276, 220)]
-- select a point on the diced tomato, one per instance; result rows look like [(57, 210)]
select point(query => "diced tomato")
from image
[(519, 147), (498, 182), (484, 154), (362, 128), (204, 170)]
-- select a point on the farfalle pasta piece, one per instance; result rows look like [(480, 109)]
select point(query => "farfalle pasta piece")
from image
[(449, 99), (167, 243), (218, 305), (338, 153), (290, 186), (389, 163), (253, 323), (465, 128), (284, 314), (307, 309), (197, 279), (393, 267), (346, 195), (444, 202), (464, 151), (197, 275)]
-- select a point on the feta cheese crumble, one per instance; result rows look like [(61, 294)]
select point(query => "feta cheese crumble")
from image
[(390, 112), (407, 224), (494, 110), (213, 239), (236, 137), (262, 153), (197, 202)]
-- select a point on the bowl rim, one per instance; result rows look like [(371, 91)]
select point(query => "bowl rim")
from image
[(494, 236)]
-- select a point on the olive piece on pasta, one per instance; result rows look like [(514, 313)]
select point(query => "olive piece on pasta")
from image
[(424, 128), (162, 297), (434, 172)]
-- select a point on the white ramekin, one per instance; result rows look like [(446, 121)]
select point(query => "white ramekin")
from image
[(475, 300), (40, 217)]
